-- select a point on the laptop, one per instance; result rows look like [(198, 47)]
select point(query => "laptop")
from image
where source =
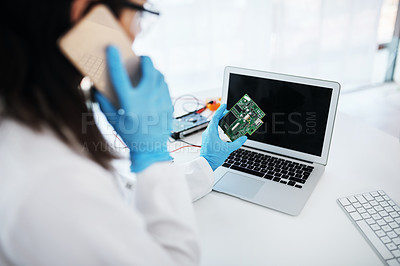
[(280, 163)]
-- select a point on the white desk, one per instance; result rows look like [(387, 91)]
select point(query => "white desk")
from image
[(235, 232)]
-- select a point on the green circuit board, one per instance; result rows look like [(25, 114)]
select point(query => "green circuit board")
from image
[(245, 117)]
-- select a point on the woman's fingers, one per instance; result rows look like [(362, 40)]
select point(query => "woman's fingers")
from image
[(233, 146), (118, 75), (217, 116), (106, 107)]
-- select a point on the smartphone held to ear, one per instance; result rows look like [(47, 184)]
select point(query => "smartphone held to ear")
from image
[(85, 46)]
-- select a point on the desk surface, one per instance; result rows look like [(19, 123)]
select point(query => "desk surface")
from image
[(235, 232)]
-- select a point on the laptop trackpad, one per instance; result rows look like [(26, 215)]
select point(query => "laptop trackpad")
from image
[(239, 185)]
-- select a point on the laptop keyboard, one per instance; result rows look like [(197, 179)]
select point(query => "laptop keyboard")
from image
[(269, 167)]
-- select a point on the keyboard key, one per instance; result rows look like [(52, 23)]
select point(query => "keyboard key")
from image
[(291, 183), (375, 194), (350, 208), (355, 216), (371, 211), (380, 233), (365, 215), (394, 225), (389, 209), (298, 186), (378, 208), (361, 210), (381, 222), (227, 165), (394, 214), (376, 216), (385, 239), (396, 253), (391, 246), (391, 234), (357, 205), (388, 219), (383, 213), (386, 228), (370, 221), (396, 240), (298, 180), (379, 199), (374, 203), (252, 172), (393, 262), (368, 196), (361, 199), (276, 179), (375, 226), (367, 206), (267, 176), (384, 204), (352, 199)]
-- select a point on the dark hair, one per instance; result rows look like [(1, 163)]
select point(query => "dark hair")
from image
[(39, 86)]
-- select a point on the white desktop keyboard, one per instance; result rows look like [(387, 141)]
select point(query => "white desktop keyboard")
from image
[(377, 217)]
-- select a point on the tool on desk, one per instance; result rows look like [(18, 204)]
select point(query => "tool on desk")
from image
[(283, 159), (188, 124), (377, 218), (193, 121)]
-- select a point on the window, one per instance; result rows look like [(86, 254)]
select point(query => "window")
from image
[(330, 39)]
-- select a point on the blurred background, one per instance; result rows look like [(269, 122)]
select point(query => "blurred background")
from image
[(354, 42)]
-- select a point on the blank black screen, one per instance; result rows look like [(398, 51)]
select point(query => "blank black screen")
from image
[(296, 114)]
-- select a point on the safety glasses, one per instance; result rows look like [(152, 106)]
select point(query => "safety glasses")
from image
[(147, 7), (145, 18)]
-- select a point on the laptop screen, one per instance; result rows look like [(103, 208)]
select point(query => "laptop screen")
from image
[(296, 114)]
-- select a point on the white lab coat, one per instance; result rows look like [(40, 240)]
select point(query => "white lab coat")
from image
[(57, 207)]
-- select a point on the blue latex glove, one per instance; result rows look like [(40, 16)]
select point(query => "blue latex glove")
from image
[(213, 149), (144, 120)]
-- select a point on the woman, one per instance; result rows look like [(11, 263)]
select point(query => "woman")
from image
[(61, 202)]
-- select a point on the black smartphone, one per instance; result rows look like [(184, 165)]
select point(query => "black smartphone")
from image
[(188, 124)]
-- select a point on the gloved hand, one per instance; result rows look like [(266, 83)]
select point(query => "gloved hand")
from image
[(144, 119), (213, 149)]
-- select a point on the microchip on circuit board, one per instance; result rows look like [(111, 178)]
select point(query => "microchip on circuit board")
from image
[(245, 117)]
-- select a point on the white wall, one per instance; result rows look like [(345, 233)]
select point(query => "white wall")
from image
[(195, 39)]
